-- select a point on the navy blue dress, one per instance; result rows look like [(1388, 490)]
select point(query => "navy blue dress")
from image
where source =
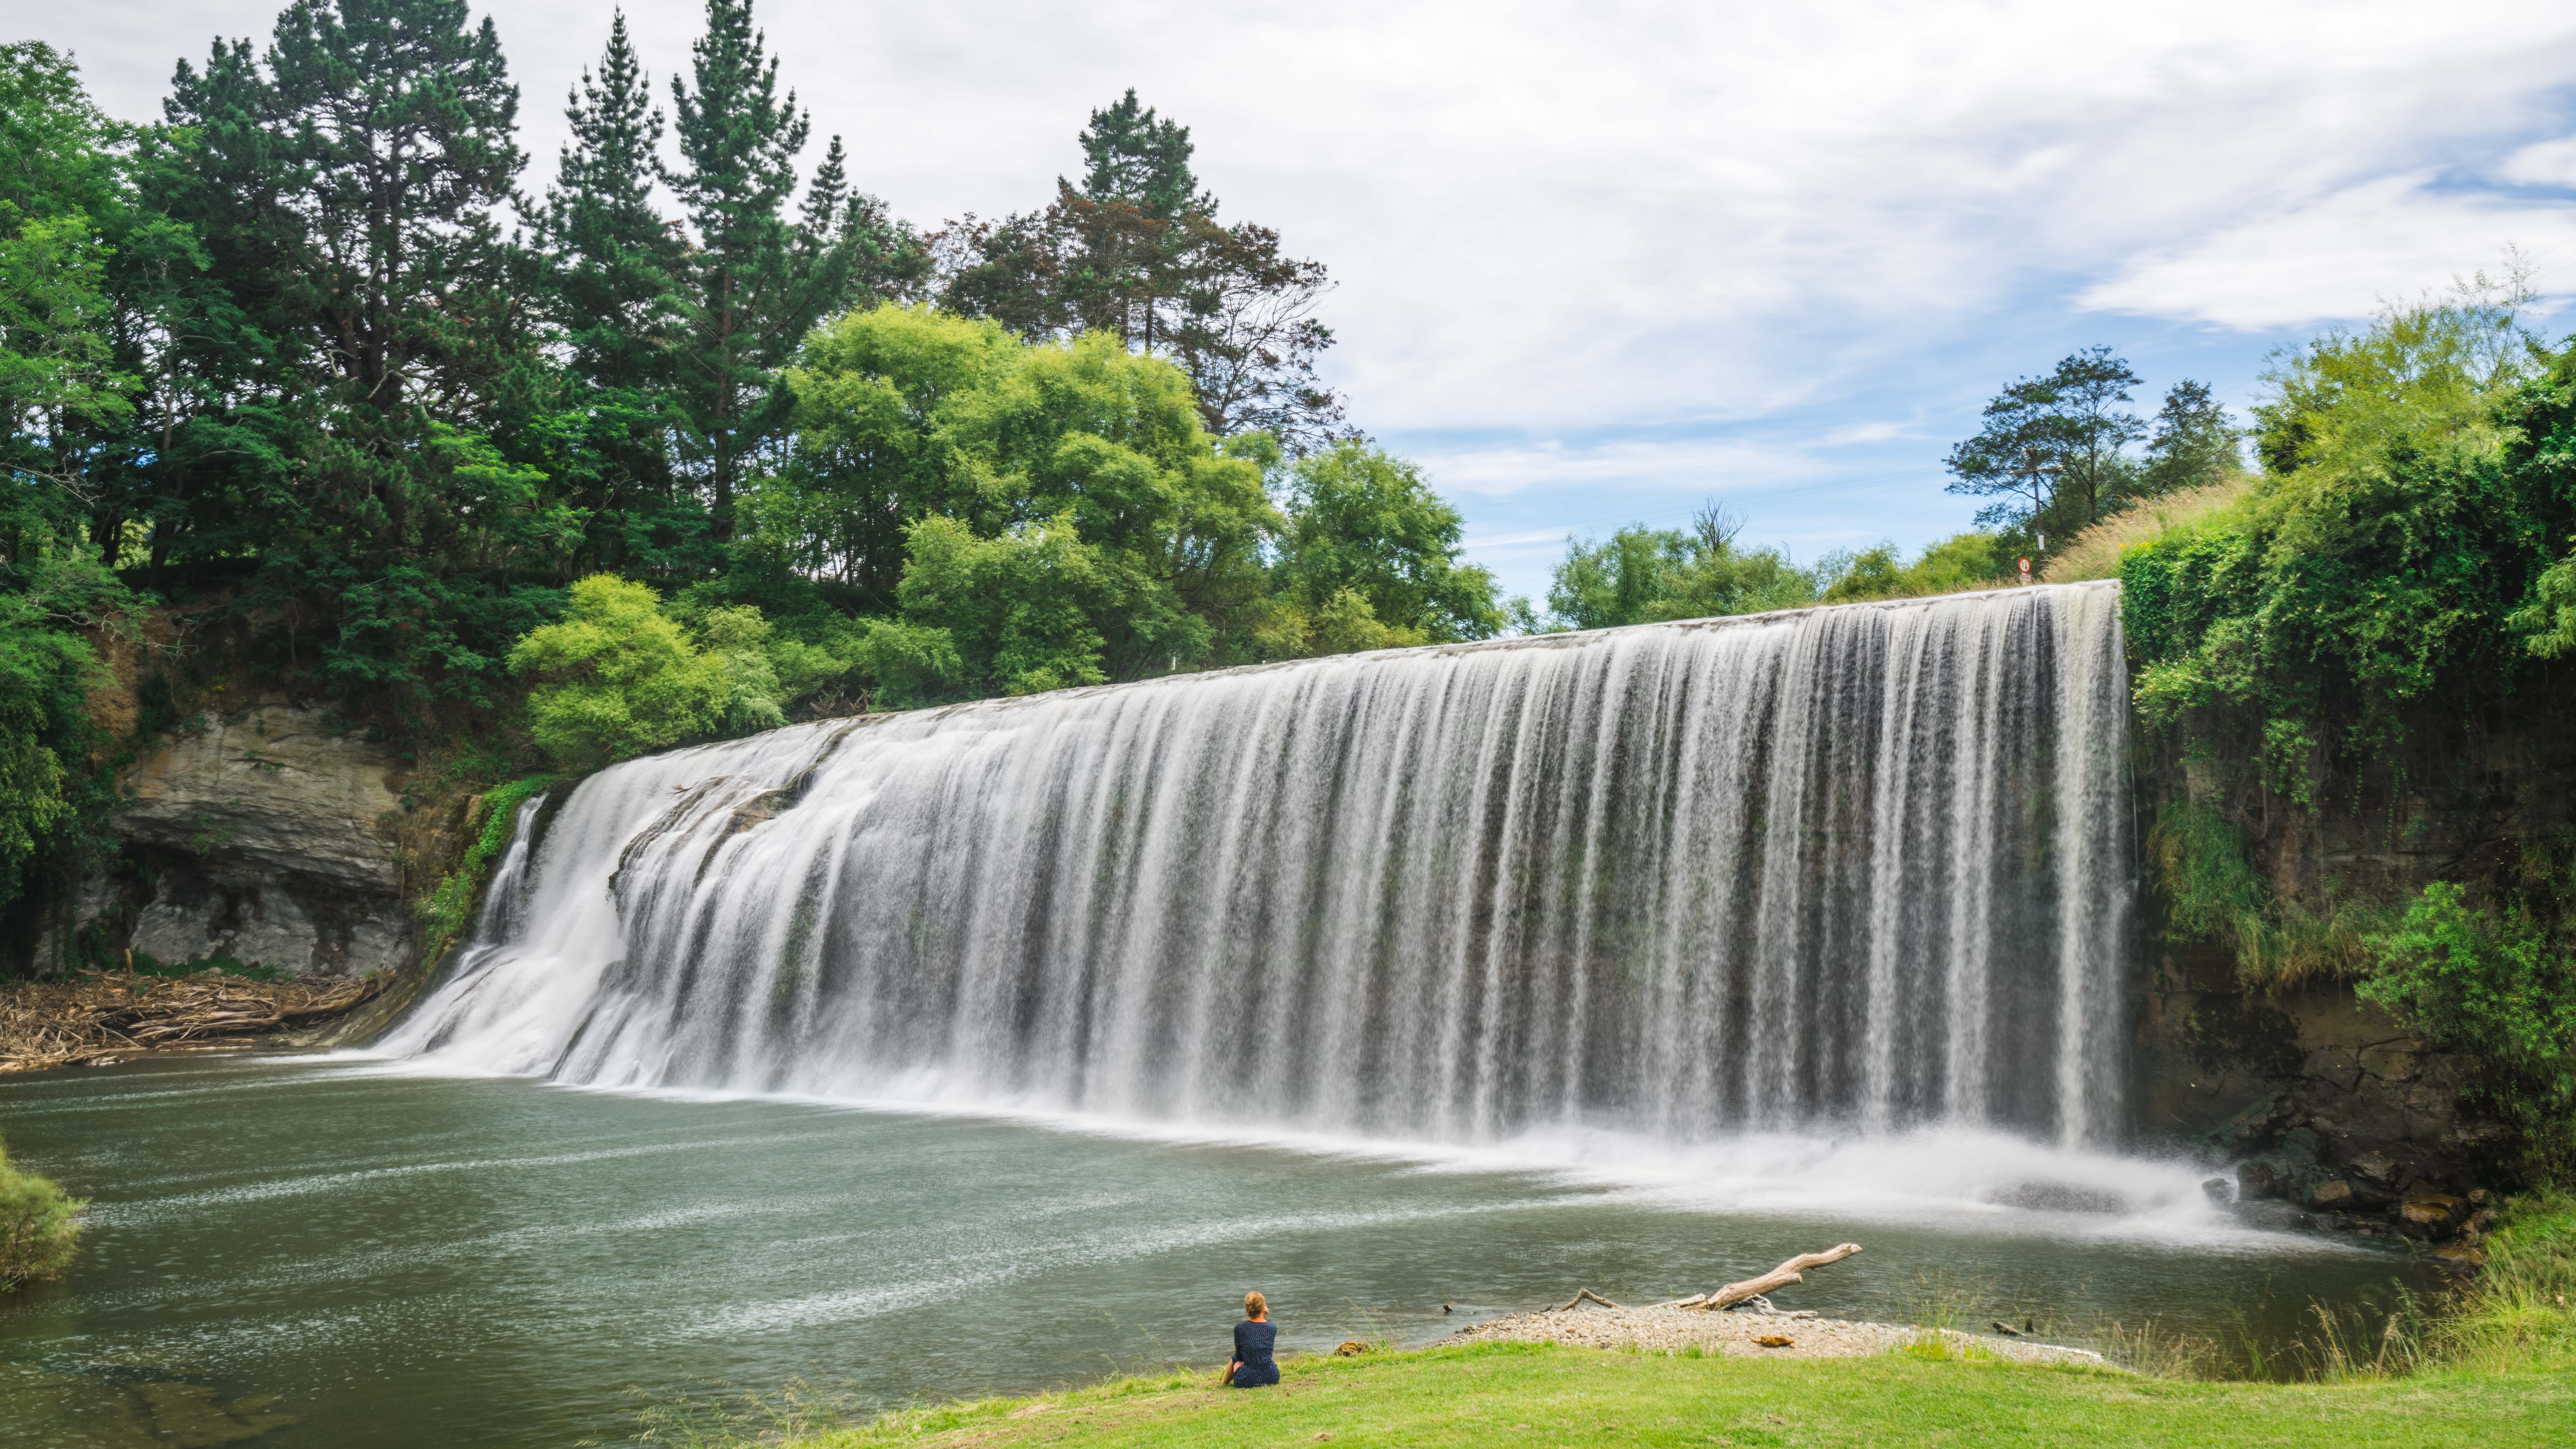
[(1252, 1343)]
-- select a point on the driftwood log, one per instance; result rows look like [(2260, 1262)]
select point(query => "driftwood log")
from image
[(1787, 1273)]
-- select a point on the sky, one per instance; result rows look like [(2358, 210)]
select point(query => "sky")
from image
[(1601, 263)]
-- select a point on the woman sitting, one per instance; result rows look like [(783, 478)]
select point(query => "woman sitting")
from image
[(1253, 1367)]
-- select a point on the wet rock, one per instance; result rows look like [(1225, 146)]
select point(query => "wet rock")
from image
[(2059, 1197), (2277, 1216), (2257, 1179), (2332, 1193), (2376, 1169), (2218, 1191), (2430, 1213)]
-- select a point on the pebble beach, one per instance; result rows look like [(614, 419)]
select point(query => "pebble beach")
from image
[(1671, 1330)]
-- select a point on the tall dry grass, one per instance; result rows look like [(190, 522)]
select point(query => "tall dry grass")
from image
[(2095, 553)]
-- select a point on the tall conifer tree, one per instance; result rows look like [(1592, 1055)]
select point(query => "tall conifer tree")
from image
[(616, 261), (738, 145), (616, 270)]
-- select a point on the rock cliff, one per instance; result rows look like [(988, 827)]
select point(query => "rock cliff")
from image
[(2310, 1096), (263, 837)]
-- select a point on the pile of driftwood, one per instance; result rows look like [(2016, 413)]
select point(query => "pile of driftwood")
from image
[(99, 1020)]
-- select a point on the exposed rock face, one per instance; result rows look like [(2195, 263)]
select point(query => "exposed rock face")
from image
[(2315, 1097), (265, 841)]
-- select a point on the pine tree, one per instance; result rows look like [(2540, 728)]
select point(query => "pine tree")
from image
[(614, 266), (399, 119), (1137, 159), (738, 142), (615, 260), (1136, 251)]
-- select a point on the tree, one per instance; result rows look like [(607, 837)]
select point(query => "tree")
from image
[(1643, 575), (2053, 449), (615, 677), (1136, 251), (871, 390), (756, 282), (614, 280), (2194, 442), (1366, 525)]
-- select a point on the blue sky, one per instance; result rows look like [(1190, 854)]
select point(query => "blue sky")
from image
[(1600, 262)]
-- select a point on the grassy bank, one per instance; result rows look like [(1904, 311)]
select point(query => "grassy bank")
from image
[(1509, 1393)]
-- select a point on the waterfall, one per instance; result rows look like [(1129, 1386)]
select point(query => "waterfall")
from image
[(1857, 868)]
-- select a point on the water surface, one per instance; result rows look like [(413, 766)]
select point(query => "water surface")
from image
[(327, 1251)]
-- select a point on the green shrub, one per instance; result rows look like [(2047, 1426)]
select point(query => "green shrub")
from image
[(2521, 1312), (2498, 986), (39, 1227), (616, 677)]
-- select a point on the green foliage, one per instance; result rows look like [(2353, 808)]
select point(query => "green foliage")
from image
[(2394, 558), (2499, 986), (39, 1226), (1642, 575), (2521, 1312), (936, 455), (1956, 564), (2211, 894), (448, 909), (1019, 607), (616, 677), (1136, 252), (1370, 560)]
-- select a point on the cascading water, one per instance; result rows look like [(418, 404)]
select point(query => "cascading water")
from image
[(1860, 867)]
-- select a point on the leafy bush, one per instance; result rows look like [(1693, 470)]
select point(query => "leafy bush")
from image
[(1955, 565), (2496, 985), (1642, 575), (39, 1226), (617, 677)]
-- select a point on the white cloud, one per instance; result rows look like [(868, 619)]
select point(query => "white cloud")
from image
[(2543, 163), (2390, 238)]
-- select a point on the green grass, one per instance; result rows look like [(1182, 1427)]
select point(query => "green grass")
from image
[(1509, 1393)]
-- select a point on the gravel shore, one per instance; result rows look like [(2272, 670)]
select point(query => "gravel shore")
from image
[(1669, 1330)]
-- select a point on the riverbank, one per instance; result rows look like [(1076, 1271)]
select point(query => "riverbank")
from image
[(1531, 1393)]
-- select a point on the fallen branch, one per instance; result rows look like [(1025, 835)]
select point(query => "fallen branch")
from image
[(1787, 1273)]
